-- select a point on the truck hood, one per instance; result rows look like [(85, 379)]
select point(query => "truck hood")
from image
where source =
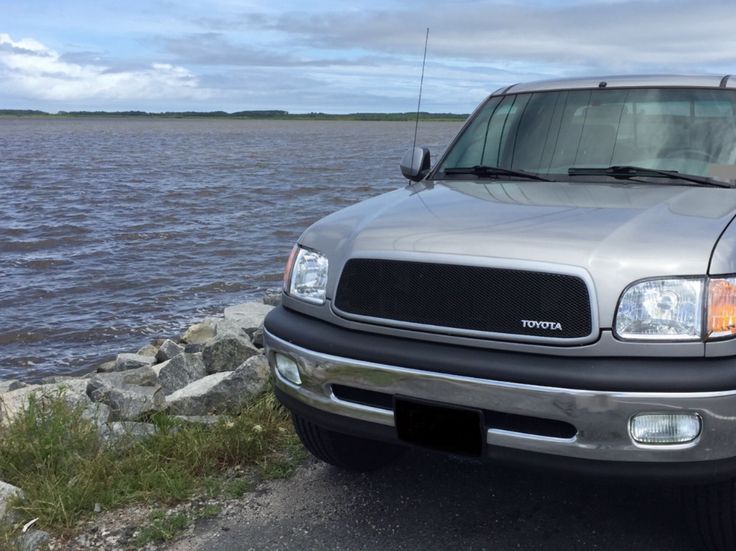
[(618, 232)]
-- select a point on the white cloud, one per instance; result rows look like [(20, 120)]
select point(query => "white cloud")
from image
[(32, 70), (625, 35), (353, 55)]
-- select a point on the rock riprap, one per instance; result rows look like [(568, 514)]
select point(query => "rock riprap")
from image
[(179, 371), (221, 392), (212, 370)]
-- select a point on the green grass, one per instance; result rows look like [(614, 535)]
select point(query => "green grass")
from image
[(53, 454), (164, 526)]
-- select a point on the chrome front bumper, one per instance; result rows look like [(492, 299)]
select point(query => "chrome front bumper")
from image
[(601, 418)]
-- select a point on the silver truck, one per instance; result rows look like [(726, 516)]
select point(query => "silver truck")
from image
[(558, 289)]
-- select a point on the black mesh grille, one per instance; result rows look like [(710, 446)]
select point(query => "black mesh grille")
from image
[(466, 297)]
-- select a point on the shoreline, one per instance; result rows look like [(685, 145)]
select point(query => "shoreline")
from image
[(7, 114), (270, 298), (207, 388)]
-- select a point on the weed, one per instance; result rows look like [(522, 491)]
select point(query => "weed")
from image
[(53, 453)]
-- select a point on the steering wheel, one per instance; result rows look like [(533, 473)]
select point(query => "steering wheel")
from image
[(688, 153)]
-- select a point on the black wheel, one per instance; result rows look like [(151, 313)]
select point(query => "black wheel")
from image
[(711, 511), (345, 451)]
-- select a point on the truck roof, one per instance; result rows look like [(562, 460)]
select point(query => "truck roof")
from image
[(623, 81)]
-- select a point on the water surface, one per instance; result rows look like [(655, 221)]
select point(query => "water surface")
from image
[(113, 232)]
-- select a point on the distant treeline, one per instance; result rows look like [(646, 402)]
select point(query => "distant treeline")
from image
[(260, 114)]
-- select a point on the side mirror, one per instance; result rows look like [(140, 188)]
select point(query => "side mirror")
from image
[(415, 164)]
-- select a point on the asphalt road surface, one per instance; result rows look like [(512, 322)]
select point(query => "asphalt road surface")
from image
[(427, 501)]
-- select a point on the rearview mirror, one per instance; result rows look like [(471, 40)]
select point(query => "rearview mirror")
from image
[(415, 164)]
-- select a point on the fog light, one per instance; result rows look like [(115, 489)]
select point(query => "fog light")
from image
[(665, 428), (288, 368)]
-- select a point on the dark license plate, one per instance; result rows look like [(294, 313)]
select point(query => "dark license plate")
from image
[(446, 428)]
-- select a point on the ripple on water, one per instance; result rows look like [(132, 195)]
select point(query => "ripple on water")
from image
[(113, 232)]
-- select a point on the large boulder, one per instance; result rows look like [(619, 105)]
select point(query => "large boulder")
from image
[(168, 350), (227, 350), (127, 361), (7, 386), (179, 371), (221, 392), (51, 379), (200, 333), (248, 316), (8, 492), (148, 350), (97, 413), (72, 391), (128, 399), (198, 397), (200, 419), (125, 432), (106, 367), (143, 376)]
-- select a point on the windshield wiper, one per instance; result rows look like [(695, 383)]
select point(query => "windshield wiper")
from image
[(483, 171), (629, 171)]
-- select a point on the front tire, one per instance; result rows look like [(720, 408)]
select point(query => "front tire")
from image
[(345, 451), (711, 511)]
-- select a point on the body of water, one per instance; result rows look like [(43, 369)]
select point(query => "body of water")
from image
[(113, 232)]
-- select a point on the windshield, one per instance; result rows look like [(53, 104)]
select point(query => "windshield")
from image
[(691, 131)]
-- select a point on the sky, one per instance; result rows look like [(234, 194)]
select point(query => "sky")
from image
[(338, 57)]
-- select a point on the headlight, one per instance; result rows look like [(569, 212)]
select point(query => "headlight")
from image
[(661, 309), (306, 275)]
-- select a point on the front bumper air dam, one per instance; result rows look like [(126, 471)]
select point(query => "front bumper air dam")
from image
[(601, 445)]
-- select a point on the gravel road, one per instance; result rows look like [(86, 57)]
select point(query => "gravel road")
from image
[(429, 501)]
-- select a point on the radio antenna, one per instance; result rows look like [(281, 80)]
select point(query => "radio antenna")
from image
[(421, 84)]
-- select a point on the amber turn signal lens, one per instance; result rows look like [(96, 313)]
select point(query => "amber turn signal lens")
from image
[(721, 308), (289, 267)]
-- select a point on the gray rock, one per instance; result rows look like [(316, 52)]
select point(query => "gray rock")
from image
[(33, 540), (221, 392), (178, 403), (106, 367), (72, 391), (179, 371), (7, 386), (200, 333), (200, 419), (248, 316), (122, 433), (272, 297), (98, 413), (127, 361), (126, 401), (193, 348), (51, 379), (142, 376), (257, 337), (168, 350), (8, 492), (227, 351), (148, 350), (229, 327)]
